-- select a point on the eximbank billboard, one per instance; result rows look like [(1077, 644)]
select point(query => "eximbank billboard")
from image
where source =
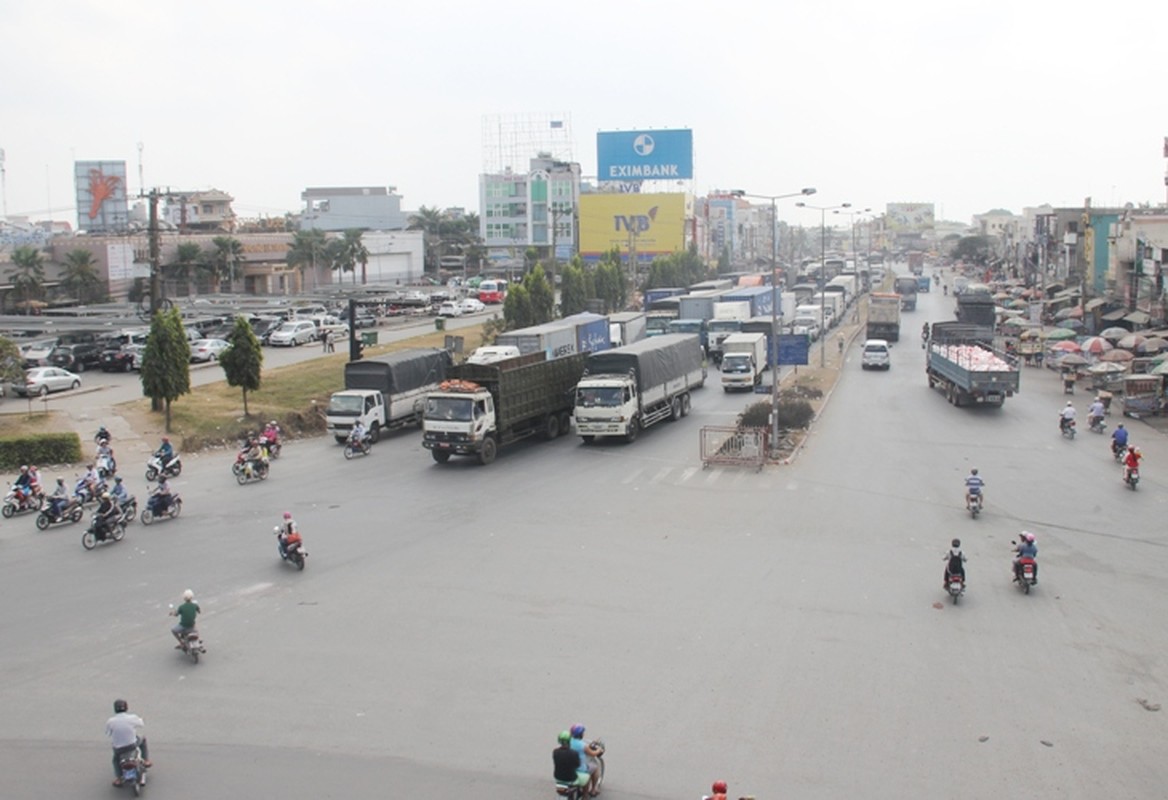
[(644, 155), (654, 224)]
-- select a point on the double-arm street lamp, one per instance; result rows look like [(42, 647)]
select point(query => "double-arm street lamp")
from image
[(775, 293), (823, 273), (851, 215)]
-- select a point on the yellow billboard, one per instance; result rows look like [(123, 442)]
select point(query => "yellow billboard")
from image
[(651, 224)]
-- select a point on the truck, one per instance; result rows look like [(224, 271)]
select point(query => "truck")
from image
[(761, 299), (554, 339), (884, 316), (728, 317), (712, 285), (833, 307), (627, 389), (916, 263), (976, 306), (653, 295), (906, 287), (850, 283), (591, 331), (385, 392), (924, 284), (698, 327), (626, 327), (699, 305), (482, 407), (744, 357), (962, 362), (809, 321)]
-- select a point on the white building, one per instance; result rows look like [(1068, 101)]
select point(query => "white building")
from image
[(533, 209), (367, 208)]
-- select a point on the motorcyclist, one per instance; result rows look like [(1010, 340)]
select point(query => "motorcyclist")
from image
[(102, 435), (287, 533), (91, 480), (1118, 439), (160, 497), (121, 496), (165, 453), (1096, 412), (23, 485), (1026, 548), (256, 454), (945, 289), (955, 562), (34, 480), (105, 451), (974, 487), (187, 611), (588, 757), (1066, 416), (1131, 462), (569, 769), (107, 512), (718, 791), (358, 434), (59, 499), (272, 433), (122, 729)]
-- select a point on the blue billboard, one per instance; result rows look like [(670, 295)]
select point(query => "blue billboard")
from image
[(644, 155)]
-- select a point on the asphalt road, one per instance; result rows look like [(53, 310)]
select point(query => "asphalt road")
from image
[(786, 631)]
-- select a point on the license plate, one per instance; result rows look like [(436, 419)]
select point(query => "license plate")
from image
[(1028, 573), (955, 586), (443, 446)]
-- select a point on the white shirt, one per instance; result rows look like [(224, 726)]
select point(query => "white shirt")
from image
[(1068, 412), (122, 729)]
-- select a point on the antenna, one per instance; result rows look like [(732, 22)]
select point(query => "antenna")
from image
[(141, 180)]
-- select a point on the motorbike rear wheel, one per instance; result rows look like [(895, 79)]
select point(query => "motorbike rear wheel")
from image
[(175, 507), (241, 478), (119, 531)]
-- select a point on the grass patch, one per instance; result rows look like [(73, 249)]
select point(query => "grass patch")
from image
[(39, 422)]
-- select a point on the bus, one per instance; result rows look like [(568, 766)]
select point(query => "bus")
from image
[(492, 291)]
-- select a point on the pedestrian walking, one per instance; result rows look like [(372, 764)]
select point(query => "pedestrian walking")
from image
[(324, 341)]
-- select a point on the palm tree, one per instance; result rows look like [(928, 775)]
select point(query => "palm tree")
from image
[(28, 274), (187, 259), (431, 221), (306, 250), (355, 252), (80, 276), (224, 259), (337, 258)]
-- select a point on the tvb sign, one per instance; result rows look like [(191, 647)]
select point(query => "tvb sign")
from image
[(644, 155)]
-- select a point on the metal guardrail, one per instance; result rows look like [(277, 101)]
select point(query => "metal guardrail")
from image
[(725, 445)]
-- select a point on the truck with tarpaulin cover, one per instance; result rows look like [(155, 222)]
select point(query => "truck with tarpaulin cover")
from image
[(385, 392)]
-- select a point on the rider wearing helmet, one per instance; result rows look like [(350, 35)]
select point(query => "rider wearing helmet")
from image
[(1066, 416), (588, 757), (122, 729), (287, 533), (1118, 438), (718, 791), (59, 498), (569, 770), (23, 484), (186, 613), (107, 512), (974, 487), (1096, 412), (1131, 461), (1027, 548), (955, 562)]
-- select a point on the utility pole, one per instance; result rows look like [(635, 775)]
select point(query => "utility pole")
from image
[(155, 256)]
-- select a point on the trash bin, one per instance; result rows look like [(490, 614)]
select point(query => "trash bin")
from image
[(368, 338), (439, 323)]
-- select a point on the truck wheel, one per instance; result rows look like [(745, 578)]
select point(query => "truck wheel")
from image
[(551, 427), (634, 429), (685, 405), (565, 424), (441, 456), (489, 451), (675, 409), (375, 432)]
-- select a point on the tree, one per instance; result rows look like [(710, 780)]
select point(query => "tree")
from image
[(355, 252), (307, 249), (28, 274), (428, 220), (11, 362), (166, 362), (187, 259), (224, 259), (80, 276), (336, 258), (517, 308), (574, 288), (539, 291), (977, 249), (243, 361)]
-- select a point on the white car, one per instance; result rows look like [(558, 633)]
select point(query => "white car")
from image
[(293, 333), (449, 309), (36, 354), (207, 349), (471, 305), (876, 355), (42, 380)]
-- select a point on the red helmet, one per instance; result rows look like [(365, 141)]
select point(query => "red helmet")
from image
[(719, 787)]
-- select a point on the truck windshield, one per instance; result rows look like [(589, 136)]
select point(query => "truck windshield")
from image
[(716, 325), (345, 405), (735, 363), (456, 409), (604, 396)]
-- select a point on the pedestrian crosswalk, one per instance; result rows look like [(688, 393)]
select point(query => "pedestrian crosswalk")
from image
[(692, 477)]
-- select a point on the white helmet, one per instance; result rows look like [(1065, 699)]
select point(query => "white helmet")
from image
[(188, 595)]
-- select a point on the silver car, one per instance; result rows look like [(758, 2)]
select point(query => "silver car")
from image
[(42, 380)]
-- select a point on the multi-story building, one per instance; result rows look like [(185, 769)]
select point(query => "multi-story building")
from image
[(537, 208), (342, 208), (198, 211)]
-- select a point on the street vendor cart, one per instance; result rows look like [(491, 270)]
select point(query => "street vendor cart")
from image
[(1142, 395)]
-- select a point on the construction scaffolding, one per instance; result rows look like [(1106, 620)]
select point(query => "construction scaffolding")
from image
[(510, 141)]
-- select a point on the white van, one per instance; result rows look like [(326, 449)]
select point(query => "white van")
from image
[(293, 333), (492, 353), (876, 355)]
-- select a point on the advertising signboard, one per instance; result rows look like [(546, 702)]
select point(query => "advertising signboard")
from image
[(654, 224), (909, 217), (644, 155), (101, 196)]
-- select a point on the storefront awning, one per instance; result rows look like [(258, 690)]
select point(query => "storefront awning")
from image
[(1137, 318)]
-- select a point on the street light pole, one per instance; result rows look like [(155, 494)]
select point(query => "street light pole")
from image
[(823, 273), (773, 355)]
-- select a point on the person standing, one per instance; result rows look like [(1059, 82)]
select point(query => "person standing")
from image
[(324, 342)]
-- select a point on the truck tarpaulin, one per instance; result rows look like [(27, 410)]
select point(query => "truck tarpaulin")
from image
[(654, 361), (398, 372)]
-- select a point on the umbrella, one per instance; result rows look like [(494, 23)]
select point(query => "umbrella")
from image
[(1072, 360), (1009, 312), (1059, 333), (1095, 345), (1114, 333), (1106, 368), (1159, 369), (1131, 341), (1029, 334), (1074, 324), (1002, 296), (1069, 313), (1154, 345), (1065, 346), (1116, 355)]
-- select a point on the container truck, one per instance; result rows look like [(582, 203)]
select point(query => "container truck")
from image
[(906, 287), (591, 331), (385, 392), (698, 327), (626, 327), (554, 339), (728, 317), (712, 285), (924, 284), (761, 299), (916, 263), (850, 284), (698, 306), (763, 325), (975, 305), (482, 407), (884, 316), (627, 389), (653, 295), (967, 368), (744, 358), (657, 323), (787, 303)]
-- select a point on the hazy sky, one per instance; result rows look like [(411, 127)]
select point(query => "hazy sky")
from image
[(969, 105)]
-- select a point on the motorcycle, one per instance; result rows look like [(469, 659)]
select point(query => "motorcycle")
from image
[(358, 448), (293, 550), (272, 445), (106, 468), (84, 494), (129, 508), (1025, 573), (581, 792), (191, 643), (102, 435), (115, 531), (155, 467), (1098, 425), (251, 471), (1131, 476), (69, 512), (17, 502), (1118, 453), (133, 770), (975, 505), (1067, 427), (956, 586), (152, 511)]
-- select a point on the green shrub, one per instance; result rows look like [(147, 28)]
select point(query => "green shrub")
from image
[(792, 414), (39, 448)]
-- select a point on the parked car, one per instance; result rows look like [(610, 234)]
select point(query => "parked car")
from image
[(471, 305), (293, 333), (36, 354), (262, 327), (449, 309), (119, 358), (76, 357), (207, 349), (42, 380)]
